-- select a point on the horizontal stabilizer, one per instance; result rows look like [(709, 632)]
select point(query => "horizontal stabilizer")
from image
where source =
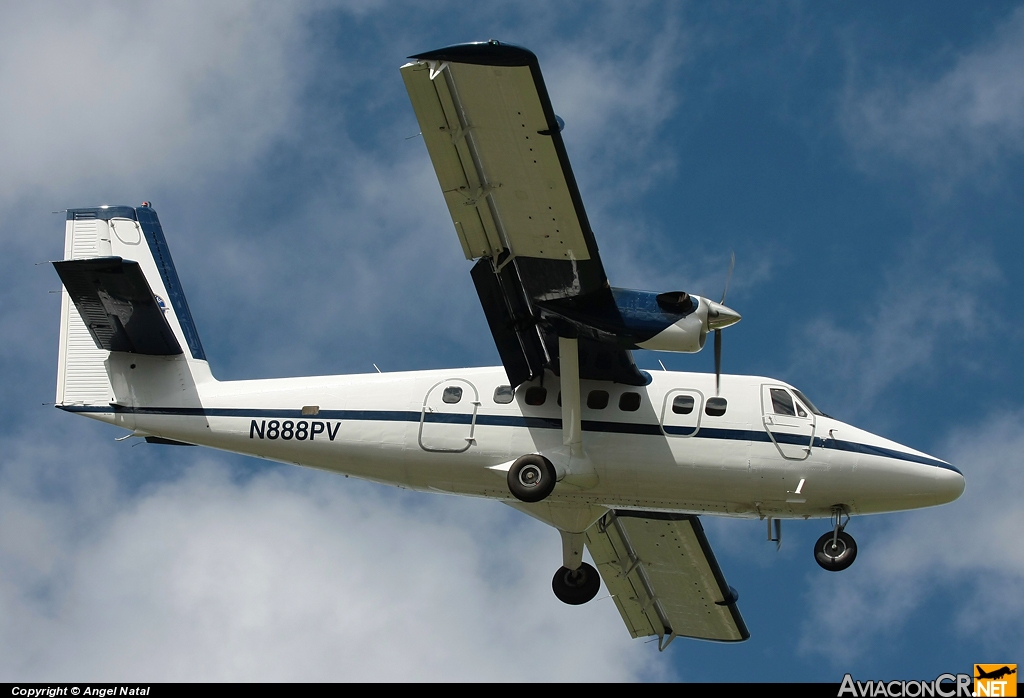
[(118, 305), (165, 442)]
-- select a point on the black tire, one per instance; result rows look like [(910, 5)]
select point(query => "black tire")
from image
[(838, 558), (531, 478), (576, 587)]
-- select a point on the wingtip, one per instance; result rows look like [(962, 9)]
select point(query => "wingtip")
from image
[(492, 52)]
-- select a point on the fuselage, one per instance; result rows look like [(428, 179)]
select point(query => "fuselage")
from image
[(664, 446)]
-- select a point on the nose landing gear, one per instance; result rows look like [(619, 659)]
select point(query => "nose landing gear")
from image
[(836, 550)]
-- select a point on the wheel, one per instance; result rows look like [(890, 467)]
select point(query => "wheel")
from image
[(835, 559), (576, 587), (531, 478)]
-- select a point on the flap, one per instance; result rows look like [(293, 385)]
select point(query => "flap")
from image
[(664, 578)]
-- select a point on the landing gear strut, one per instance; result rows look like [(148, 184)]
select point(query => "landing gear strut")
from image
[(577, 586), (836, 550)]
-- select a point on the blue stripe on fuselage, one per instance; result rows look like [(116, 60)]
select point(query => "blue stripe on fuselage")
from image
[(501, 420)]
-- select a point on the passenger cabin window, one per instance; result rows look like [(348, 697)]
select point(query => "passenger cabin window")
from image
[(536, 395), (715, 406), (782, 402), (682, 404), (452, 394), (597, 400), (629, 402), (503, 394)]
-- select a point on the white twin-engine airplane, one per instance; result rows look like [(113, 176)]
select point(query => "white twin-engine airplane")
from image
[(568, 430)]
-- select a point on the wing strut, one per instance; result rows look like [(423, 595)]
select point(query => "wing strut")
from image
[(572, 436), (580, 471), (569, 375)]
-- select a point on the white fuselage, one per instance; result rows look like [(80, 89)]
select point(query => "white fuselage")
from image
[(397, 428)]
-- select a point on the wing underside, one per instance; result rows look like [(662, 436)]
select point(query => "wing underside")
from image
[(664, 578), (492, 136), (497, 150)]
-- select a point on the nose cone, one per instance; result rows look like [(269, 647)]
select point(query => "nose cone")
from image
[(720, 316)]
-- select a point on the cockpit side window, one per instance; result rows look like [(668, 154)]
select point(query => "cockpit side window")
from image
[(809, 404), (782, 402)]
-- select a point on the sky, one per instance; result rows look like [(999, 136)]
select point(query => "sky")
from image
[(862, 160)]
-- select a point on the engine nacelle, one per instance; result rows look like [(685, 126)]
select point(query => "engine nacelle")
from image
[(687, 334), (674, 321)]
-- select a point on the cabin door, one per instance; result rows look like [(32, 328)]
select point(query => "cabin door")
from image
[(789, 424), (448, 418), (680, 416)]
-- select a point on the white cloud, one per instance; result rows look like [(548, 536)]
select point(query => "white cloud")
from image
[(153, 90), (284, 575), (970, 548), (966, 121)]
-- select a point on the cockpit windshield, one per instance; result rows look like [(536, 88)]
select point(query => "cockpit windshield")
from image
[(809, 404)]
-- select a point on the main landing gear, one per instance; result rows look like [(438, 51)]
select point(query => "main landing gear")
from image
[(836, 550), (577, 586), (575, 582), (531, 478)]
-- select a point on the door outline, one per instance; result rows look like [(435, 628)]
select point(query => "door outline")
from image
[(796, 452), (427, 409), (698, 408)]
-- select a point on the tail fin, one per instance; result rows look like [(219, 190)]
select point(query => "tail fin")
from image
[(121, 297)]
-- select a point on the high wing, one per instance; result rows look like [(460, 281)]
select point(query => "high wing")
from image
[(664, 578), (497, 149)]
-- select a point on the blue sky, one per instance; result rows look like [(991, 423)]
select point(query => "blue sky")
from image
[(863, 161)]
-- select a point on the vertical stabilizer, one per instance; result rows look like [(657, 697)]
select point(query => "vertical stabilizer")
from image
[(122, 301)]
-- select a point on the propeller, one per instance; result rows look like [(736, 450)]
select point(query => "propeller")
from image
[(718, 360), (720, 317)]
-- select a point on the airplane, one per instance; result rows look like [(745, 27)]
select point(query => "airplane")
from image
[(621, 461), (996, 673)]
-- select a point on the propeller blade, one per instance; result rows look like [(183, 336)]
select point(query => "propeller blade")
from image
[(728, 277), (718, 360)]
